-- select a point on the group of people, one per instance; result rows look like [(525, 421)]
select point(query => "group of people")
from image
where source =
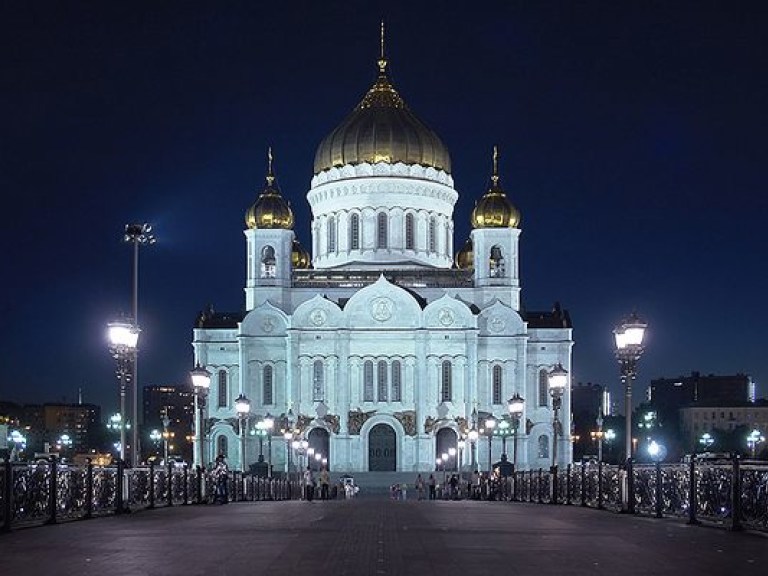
[(310, 483), (480, 486)]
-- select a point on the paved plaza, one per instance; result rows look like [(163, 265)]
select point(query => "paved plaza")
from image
[(377, 536)]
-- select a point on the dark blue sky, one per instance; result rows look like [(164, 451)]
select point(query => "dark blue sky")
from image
[(632, 138)]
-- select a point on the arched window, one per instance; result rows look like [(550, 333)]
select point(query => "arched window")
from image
[(543, 446), (409, 231), (497, 382), (368, 381), (354, 232), (381, 230), (318, 381), (222, 387), (267, 262), (267, 398), (543, 387), (446, 382), (432, 234), (381, 380), (496, 263), (222, 447), (332, 234), (397, 381)]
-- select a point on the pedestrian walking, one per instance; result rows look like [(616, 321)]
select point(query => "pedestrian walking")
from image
[(420, 487), (220, 475), (432, 487), (325, 483), (309, 484)]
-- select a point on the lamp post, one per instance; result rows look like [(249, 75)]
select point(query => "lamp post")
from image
[(516, 405), (201, 383), (599, 423), (156, 436), (269, 424), (461, 444), (753, 439), (243, 409), (137, 234), (629, 347), (490, 424), (166, 436), (123, 341), (558, 381), (706, 441), (473, 435)]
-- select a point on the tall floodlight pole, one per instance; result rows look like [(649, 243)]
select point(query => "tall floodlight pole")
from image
[(558, 382), (243, 409), (137, 234), (123, 340), (201, 383), (629, 347)]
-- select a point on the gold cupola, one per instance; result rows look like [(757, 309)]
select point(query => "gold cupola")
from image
[(270, 209), (299, 256), (382, 129), (494, 210), (465, 258)]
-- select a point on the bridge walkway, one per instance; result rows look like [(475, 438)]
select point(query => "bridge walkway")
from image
[(380, 537)]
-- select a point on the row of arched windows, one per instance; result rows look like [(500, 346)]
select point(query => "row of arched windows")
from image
[(382, 232), (388, 384)]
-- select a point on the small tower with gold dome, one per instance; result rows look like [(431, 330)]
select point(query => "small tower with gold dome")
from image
[(272, 248), (494, 238)]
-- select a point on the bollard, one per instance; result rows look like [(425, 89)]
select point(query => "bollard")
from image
[(169, 483), (693, 502), (88, 488), (659, 495), (630, 487), (583, 483), (119, 487), (151, 485), (52, 489), (736, 496), (7, 495), (186, 484), (600, 485)]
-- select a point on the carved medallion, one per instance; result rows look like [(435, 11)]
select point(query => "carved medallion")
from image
[(318, 317), (268, 324), (496, 324), (446, 317), (382, 308)]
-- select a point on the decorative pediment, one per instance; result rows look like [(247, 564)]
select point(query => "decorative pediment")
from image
[(447, 312), (382, 305), (264, 320), (317, 313), (498, 319)]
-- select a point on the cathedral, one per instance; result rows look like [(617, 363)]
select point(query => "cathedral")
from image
[(383, 349)]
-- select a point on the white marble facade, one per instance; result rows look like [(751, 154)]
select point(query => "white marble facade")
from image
[(383, 349)]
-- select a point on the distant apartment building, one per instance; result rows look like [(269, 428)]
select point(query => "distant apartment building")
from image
[(177, 403), (704, 389), (81, 422), (698, 419)]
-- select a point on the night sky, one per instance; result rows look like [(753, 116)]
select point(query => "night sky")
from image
[(632, 138)]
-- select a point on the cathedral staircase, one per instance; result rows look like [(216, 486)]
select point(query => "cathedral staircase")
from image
[(379, 483)]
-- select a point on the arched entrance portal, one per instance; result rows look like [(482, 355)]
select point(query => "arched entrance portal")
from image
[(444, 441), (382, 449), (319, 443)]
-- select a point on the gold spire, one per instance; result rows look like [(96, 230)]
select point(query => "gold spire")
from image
[(495, 177), (270, 174), (382, 58), (494, 210)]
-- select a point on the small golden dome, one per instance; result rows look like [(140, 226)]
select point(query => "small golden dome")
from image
[(270, 209), (494, 210), (465, 258), (299, 256), (382, 129)]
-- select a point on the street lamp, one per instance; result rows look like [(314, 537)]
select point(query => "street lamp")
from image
[(137, 234), (473, 435), (243, 409), (166, 436), (753, 439), (490, 424), (629, 347), (516, 405), (201, 384), (706, 441), (123, 341), (156, 436), (558, 381), (598, 435), (269, 424), (462, 444)]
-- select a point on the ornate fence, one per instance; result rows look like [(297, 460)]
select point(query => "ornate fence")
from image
[(731, 494), (49, 492)]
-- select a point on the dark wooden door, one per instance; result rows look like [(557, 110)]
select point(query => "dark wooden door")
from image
[(382, 449)]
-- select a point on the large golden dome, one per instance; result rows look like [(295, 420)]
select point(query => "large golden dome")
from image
[(382, 129), (494, 210), (270, 210)]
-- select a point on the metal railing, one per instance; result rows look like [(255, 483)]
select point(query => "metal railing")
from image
[(48, 492)]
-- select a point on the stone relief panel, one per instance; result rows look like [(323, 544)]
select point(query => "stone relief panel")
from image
[(408, 420), (333, 422), (356, 420)]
